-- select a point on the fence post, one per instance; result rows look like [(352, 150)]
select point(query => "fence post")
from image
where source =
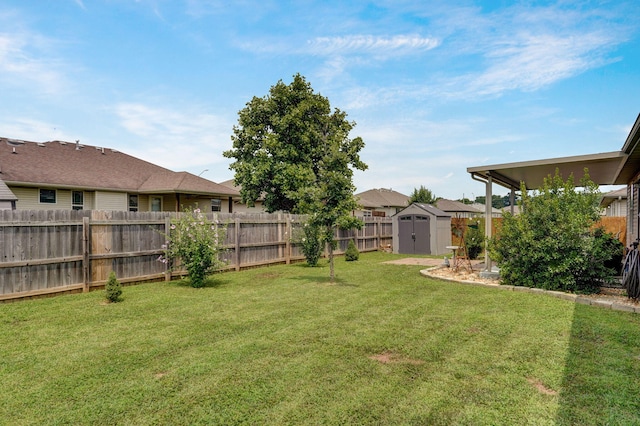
[(85, 253), (287, 242), (167, 232), (237, 244)]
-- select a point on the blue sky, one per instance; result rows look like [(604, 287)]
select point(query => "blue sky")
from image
[(434, 86)]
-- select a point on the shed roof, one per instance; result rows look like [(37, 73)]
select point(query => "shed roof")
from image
[(427, 208), (74, 165), (433, 210)]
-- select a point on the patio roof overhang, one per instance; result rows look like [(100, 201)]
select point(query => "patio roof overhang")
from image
[(603, 168), (608, 168)]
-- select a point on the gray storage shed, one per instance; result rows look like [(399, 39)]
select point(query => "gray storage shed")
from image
[(421, 229)]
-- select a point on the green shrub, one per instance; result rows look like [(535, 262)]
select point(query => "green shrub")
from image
[(352, 252), (197, 242), (113, 288), (311, 243), (474, 238), (552, 244)]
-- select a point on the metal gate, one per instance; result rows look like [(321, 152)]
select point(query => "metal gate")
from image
[(414, 234)]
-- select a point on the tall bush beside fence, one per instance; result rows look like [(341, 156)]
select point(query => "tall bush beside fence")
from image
[(48, 252)]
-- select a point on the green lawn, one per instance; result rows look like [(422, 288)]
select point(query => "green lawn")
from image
[(282, 345)]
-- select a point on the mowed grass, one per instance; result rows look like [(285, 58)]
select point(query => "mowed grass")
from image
[(282, 345)]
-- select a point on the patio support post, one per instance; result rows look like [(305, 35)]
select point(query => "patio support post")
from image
[(487, 222), (512, 200)]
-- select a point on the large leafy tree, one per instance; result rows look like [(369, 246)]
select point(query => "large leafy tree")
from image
[(422, 195), (291, 148)]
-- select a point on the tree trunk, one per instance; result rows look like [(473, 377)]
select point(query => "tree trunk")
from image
[(331, 272)]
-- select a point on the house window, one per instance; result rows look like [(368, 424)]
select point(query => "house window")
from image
[(156, 204), (77, 200), (133, 203), (48, 196), (366, 213), (216, 205)]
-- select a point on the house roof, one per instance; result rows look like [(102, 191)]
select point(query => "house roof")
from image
[(382, 198), (516, 209), (231, 183), (610, 197), (74, 165), (482, 207), (451, 206)]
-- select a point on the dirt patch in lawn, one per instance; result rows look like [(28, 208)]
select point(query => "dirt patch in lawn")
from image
[(394, 358), (541, 387), (422, 261)]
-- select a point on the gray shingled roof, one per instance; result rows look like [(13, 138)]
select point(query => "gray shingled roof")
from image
[(382, 198), (451, 206), (72, 165)]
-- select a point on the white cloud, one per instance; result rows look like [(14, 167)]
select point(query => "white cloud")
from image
[(379, 47), (33, 130), (519, 48), (23, 63), (184, 139), (369, 44), (530, 62)]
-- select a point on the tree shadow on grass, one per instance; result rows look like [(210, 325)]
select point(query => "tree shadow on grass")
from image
[(601, 380), (209, 282), (323, 275), (338, 282)]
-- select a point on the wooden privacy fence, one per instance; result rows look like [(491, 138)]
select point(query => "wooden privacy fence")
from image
[(616, 225), (48, 252)]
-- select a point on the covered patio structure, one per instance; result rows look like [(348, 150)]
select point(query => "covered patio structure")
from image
[(609, 168)]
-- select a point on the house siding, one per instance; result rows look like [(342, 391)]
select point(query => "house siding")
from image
[(111, 201), (169, 203), (89, 200), (616, 208), (29, 199), (143, 203), (239, 207)]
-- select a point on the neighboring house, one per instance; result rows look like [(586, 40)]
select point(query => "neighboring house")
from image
[(238, 205), (65, 175), (7, 198), (515, 209), (614, 203), (380, 202), (457, 209), (481, 208)]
